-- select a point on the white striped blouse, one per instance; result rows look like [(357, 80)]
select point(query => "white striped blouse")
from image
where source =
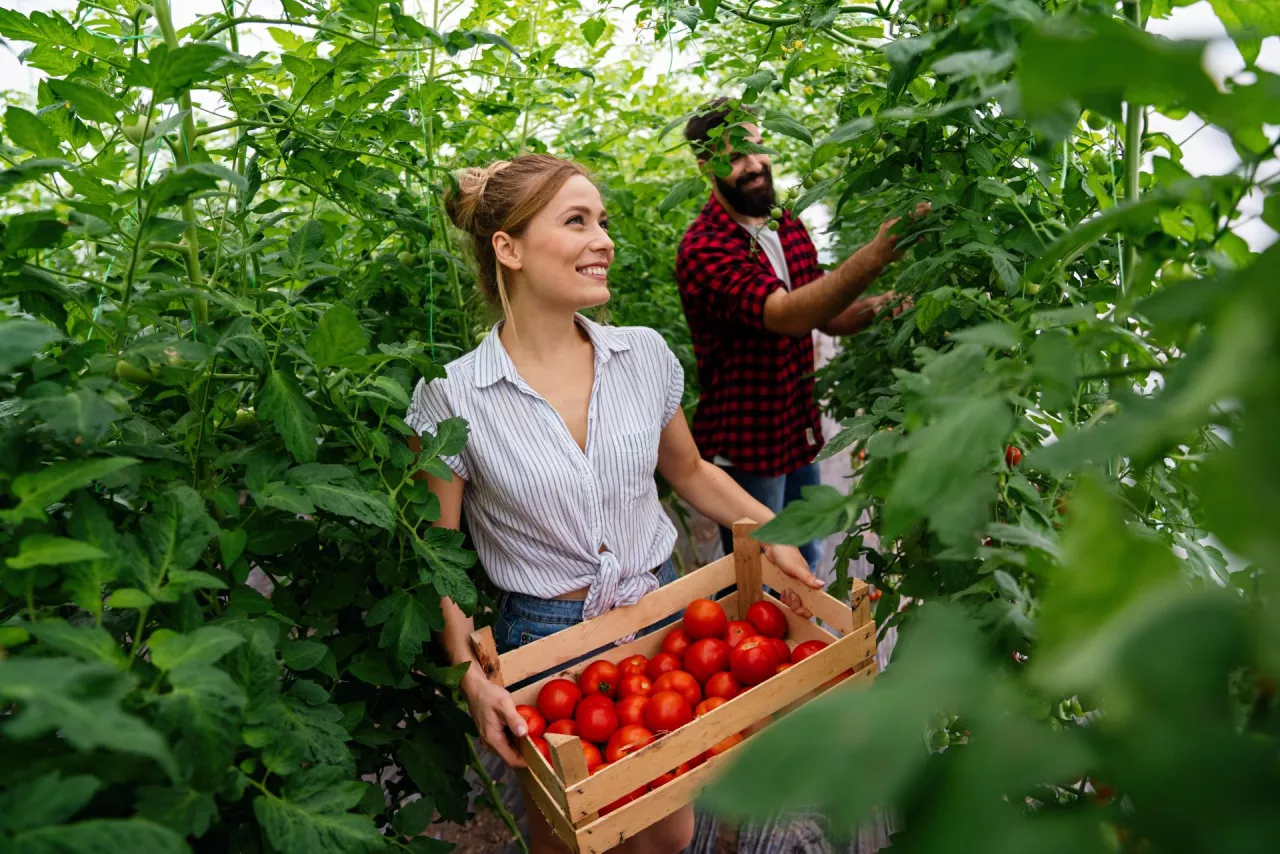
[(539, 509)]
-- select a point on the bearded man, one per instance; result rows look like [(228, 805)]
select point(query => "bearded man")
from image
[(753, 295)]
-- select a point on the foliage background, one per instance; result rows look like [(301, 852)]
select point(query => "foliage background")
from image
[(212, 328)]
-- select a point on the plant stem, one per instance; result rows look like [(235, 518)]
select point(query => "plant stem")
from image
[(492, 789), (1134, 116)]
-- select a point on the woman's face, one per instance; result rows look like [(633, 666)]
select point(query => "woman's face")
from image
[(564, 253)]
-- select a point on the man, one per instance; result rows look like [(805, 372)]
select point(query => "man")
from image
[(753, 294)]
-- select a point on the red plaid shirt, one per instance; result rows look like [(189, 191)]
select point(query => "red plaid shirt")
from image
[(757, 408)]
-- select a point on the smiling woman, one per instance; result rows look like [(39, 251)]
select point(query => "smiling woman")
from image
[(569, 421)]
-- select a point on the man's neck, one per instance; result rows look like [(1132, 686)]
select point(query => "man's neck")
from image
[(753, 222)]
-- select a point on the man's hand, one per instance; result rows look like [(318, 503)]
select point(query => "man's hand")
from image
[(884, 246)]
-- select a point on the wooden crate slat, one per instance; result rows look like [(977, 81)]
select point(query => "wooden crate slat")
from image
[(531, 659), (747, 559), (608, 831), (646, 646), (546, 805), (541, 769), (739, 713), (824, 606)]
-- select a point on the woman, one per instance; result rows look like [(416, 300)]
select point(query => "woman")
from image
[(568, 421)]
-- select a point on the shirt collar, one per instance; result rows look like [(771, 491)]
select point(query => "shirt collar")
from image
[(493, 363)]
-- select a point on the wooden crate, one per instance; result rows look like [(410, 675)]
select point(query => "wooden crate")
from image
[(569, 798)]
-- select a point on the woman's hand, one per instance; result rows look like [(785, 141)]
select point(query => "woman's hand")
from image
[(495, 715), (792, 563)]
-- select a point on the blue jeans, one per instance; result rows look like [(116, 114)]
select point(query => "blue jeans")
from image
[(775, 492), (524, 619)]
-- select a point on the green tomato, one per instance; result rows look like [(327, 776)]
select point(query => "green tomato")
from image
[(773, 225), (879, 146), (1033, 288), (937, 7), (133, 374), (776, 212), (809, 181), (137, 129), (408, 259), (245, 418), (1096, 122)]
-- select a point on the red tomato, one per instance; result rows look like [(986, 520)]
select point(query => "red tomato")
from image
[(666, 711), (663, 662), (557, 699), (592, 754), (600, 677), (676, 642), (628, 739), (682, 683), (806, 649), (705, 619), (563, 727), (768, 619), (596, 718), (631, 709), (698, 760), (873, 594), (723, 685), (782, 667), (754, 660), (738, 631), (707, 705), (635, 684), (543, 747), (624, 800), (536, 723), (729, 742), (662, 780), (633, 665), (1012, 456), (706, 657), (784, 651), (862, 454)]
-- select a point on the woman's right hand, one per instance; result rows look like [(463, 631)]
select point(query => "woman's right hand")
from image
[(494, 712)]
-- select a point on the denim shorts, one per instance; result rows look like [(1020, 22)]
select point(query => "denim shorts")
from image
[(524, 619)]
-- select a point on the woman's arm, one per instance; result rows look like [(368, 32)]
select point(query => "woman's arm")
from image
[(710, 491), (491, 706)]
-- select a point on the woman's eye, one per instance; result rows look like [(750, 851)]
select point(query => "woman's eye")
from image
[(604, 223), (576, 218)]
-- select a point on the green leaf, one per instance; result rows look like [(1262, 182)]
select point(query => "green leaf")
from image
[(307, 243), (176, 534), (47, 550), (592, 29), (86, 643), (336, 337), (685, 189), (48, 799), (79, 701), (28, 131), (84, 581), (414, 817), (205, 645), (183, 810), (108, 836), (812, 195), (407, 623), (847, 131), (90, 102), (301, 726), (302, 654), (942, 485), (171, 72), (21, 341), (78, 417), (854, 430), (1248, 22), (334, 488), (820, 512), (33, 230), (999, 336), (283, 404), (129, 597), (38, 490), (202, 713), (311, 816), (787, 126)]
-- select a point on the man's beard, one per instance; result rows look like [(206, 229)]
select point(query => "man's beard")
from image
[(757, 201)]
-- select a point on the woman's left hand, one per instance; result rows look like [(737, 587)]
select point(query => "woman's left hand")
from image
[(792, 563)]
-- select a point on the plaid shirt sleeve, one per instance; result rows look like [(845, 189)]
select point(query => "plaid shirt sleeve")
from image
[(802, 255), (716, 275)]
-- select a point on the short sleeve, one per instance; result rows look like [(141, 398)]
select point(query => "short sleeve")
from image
[(675, 385), (430, 405), (729, 284)]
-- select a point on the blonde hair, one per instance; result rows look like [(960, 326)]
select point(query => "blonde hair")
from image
[(504, 196)]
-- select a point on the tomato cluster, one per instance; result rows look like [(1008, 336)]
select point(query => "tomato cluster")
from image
[(706, 661)]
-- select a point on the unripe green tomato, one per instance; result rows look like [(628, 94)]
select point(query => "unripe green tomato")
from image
[(809, 180), (879, 146), (137, 129), (1033, 288), (480, 335), (776, 213), (407, 258), (245, 418), (773, 225), (1096, 122), (937, 7), (131, 373)]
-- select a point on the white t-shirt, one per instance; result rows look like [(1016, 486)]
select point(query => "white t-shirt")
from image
[(771, 243)]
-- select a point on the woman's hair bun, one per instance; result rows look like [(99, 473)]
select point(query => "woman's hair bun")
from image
[(464, 204)]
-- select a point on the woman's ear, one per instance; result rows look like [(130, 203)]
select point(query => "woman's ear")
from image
[(507, 250)]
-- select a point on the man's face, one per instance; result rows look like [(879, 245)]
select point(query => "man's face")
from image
[(748, 188)]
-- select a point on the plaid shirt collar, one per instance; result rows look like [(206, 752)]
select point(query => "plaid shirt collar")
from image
[(493, 363)]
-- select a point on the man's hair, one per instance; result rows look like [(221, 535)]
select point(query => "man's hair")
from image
[(708, 117)]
